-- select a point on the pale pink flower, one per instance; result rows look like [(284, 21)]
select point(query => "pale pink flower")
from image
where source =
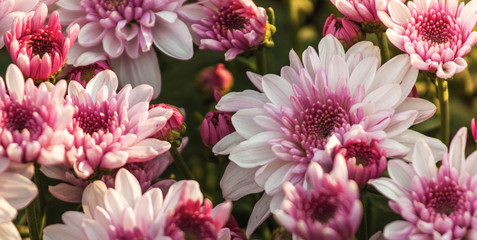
[(124, 212), (16, 192), (39, 50), (229, 26), (345, 30), (361, 11), (215, 126), (329, 208), (9, 10), (83, 74), (125, 31), (434, 203), (287, 125), (33, 120), (111, 129), (436, 34)]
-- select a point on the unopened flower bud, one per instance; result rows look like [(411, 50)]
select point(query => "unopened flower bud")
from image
[(214, 78), (174, 127), (347, 31), (216, 125)]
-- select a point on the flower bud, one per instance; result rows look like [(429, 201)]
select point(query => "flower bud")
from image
[(347, 31), (216, 125), (174, 127), (214, 78)]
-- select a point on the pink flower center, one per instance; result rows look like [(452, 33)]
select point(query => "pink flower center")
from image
[(364, 154), (42, 41), (436, 26), (193, 220), (16, 117), (112, 5), (94, 119), (320, 205), (232, 16)]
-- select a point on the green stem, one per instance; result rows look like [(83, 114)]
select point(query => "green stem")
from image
[(383, 45), (180, 163), (443, 95), (293, 21), (34, 211), (363, 228), (261, 61)]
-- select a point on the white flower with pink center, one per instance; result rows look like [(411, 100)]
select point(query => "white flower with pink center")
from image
[(33, 120), (436, 34), (329, 208), (124, 212), (434, 203), (125, 30), (111, 129), (288, 123)]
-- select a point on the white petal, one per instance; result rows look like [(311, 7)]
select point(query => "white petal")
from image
[(401, 172), (8, 231), (244, 123), (277, 89), (66, 192), (255, 151), (227, 144), (238, 182), (235, 101), (385, 97), (389, 188), (425, 108), (363, 73), (399, 12), (179, 192), (15, 81), (93, 196), (18, 190), (128, 186), (423, 161), (328, 47), (105, 78), (173, 39), (409, 137), (398, 230), (260, 212), (457, 149)]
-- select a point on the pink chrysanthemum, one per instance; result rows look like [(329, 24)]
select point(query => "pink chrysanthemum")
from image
[(345, 30), (125, 213), (11, 9), (436, 34), (16, 192), (328, 209), (435, 204), (33, 120), (287, 125), (112, 129), (39, 51), (126, 31), (229, 26)]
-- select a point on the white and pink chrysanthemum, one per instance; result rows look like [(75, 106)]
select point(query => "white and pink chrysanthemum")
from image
[(111, 129), (33, 120), (229, 26), (435, 204), (124, 213), (16, 192), (39, 50), (329, 208), (286, 125), (11, 9), (436, 34), (125, 31)]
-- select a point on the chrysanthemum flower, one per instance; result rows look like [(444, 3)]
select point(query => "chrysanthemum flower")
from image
[(112, 129), (33, 120), (436, 34), (229, 26), (329, 208), (39, 51), (345, 30), (16, 192), (435, 204), (125, 31), (124, 213), (10, 9), (286, 125)]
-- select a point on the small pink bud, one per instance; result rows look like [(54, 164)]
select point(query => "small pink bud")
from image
[(347, 31), (216, 78), (216, 125), (174, 127), (83, 74), (472, 128)]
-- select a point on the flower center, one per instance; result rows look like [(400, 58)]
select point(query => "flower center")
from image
[(112, 5), (363, 153), (93, 119), (16, 117), (42, 41), (193, 220), (445, 197), (231, 19), (232, 16), (436, 27), (323, 207)]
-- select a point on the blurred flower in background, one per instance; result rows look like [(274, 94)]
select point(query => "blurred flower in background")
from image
[(214, 78)]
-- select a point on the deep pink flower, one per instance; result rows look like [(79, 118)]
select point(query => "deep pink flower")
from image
[(33, 120), (11, 9), (174, 126), (328, 209), (215, 78), (287, 125), (434, 203), (39, 50), (112, 129), (229, 26), (436, 34), (125, 32), (124, 213), (215, 126), (343, 29), (83, 74)]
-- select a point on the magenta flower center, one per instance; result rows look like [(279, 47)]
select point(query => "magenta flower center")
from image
[(321, 205), (193, 220), (94, 119), (436, 27), (363, 153), (112, 5), (16, 117), (42, 41), (232, 16)]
